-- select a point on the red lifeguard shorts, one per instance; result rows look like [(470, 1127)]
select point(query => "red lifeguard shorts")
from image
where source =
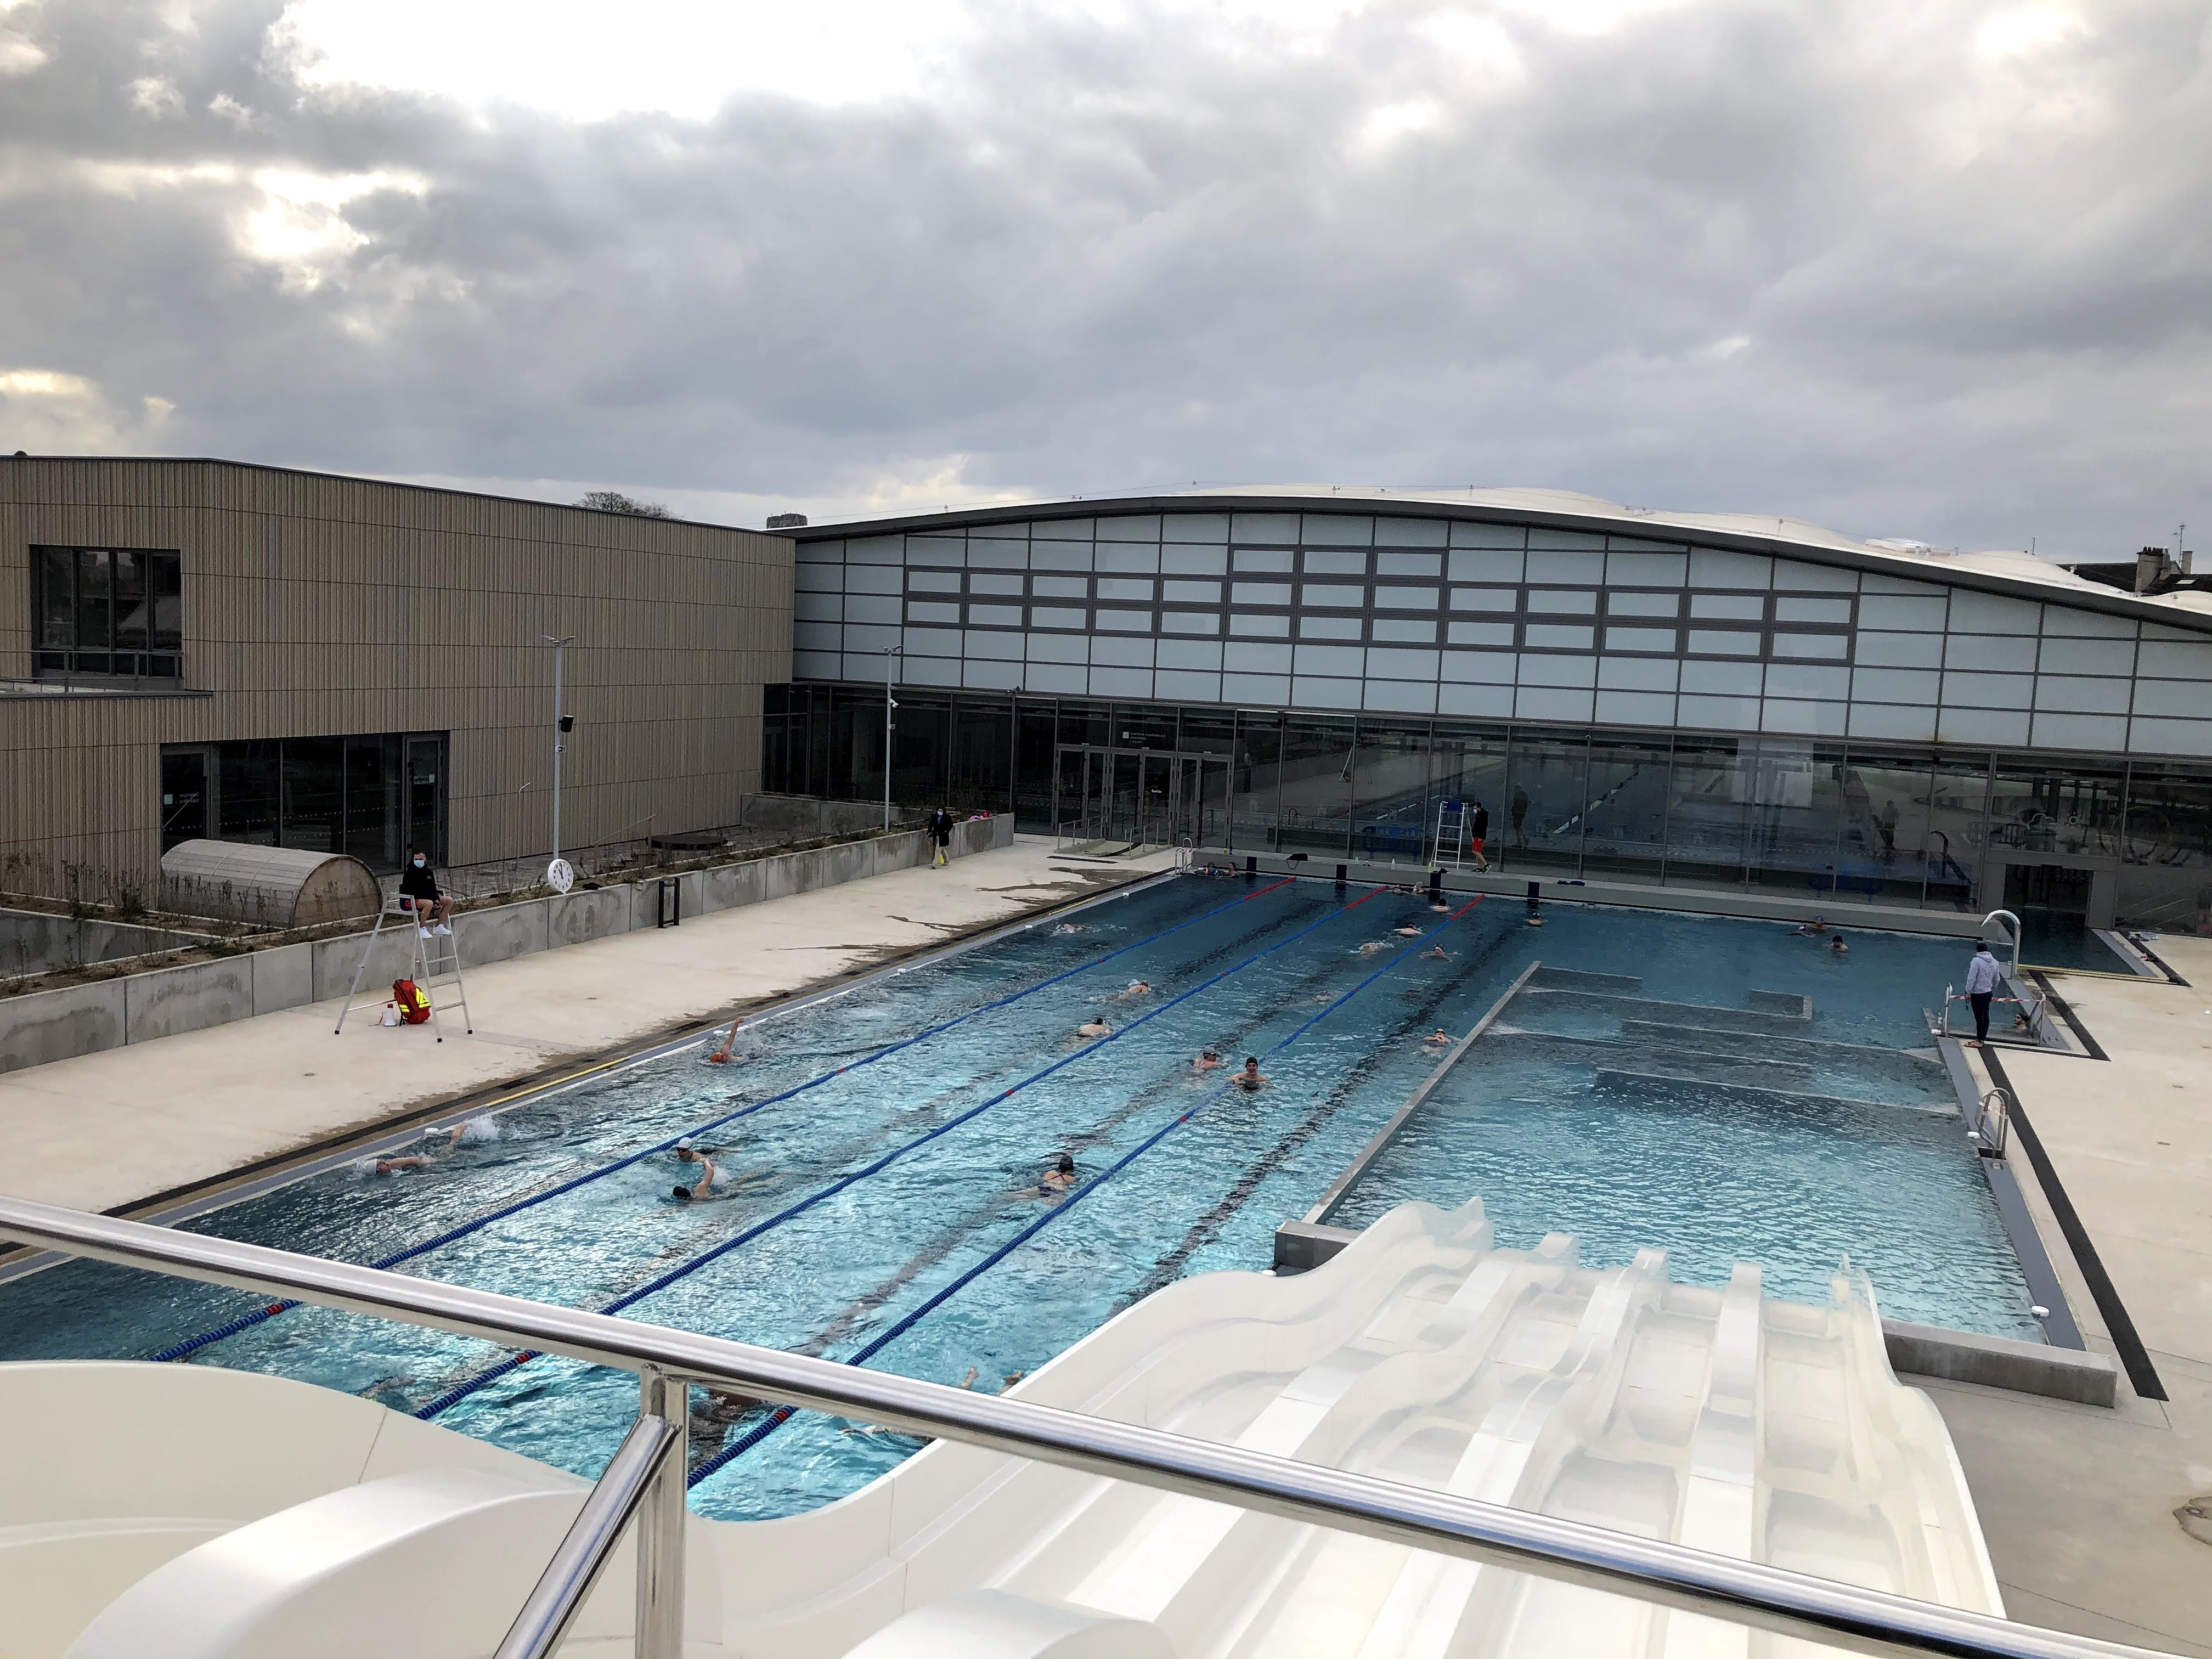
[(1476, 842)]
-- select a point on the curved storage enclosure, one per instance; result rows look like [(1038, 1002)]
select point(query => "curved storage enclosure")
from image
[(276, 886)]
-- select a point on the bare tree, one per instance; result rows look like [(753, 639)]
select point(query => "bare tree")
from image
[(613, 501)]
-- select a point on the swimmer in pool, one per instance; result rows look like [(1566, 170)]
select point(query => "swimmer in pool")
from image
[(1207, 1061), (1439, 1038), (1812, 929), (1058, 1178), (454, 1136), (1136, 987), (1251, 1080), (1436, 953), (703, 1188), (728, 1052), (1323, 996), (1072, 928), (1090, 1031), (1408, 933), (1837, 946), (1372, 946)]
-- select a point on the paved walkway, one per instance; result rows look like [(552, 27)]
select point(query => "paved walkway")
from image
[(2078, 1504), (109, 1130)]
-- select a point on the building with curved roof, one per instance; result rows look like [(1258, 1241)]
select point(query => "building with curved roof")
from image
[(1704, 698)]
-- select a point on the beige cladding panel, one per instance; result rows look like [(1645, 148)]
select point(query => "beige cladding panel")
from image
[(321, 606)]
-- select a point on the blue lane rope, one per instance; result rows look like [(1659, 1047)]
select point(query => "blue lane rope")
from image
[(191, 1345), (781, 1414), (462, 1390)]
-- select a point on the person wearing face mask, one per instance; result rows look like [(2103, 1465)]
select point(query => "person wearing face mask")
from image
[(418, 893)]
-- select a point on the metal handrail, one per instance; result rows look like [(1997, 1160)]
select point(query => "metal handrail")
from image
[(539, 1628), (1773, 1599), (2017, 931)]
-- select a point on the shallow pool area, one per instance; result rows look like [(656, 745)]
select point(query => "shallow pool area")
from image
[(881, 1149)]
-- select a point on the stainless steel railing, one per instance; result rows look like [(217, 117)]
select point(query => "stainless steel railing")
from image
[(1766, 1598)]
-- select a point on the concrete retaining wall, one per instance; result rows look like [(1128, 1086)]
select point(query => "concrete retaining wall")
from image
[(802, 815), (83, 1019)]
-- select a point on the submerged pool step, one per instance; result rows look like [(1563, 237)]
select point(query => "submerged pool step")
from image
[(1626, 1008), (1644, 1081), (1904, 1066)]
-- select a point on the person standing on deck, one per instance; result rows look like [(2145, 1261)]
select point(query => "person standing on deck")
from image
[(940, 831), (1981, 986), (1478, 831)]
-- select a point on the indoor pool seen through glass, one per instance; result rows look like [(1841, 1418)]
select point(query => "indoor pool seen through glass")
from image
[(986, 1103)]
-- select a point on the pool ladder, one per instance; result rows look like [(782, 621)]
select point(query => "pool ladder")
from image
[(1992, 1124)]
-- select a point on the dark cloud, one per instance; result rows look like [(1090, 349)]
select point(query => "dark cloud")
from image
[(1837, 262)]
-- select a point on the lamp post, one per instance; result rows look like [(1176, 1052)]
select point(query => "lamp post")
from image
[(889, 704), (562, 724)]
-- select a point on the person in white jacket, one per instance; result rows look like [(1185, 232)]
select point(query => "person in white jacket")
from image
[(1981, 986)]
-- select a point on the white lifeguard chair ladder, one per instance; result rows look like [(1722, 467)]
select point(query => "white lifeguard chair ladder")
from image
[(435, 961), (1452, 819)]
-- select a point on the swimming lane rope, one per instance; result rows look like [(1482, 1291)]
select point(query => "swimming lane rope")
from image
[(781, 1414), (191, 1345), (462, 1390)]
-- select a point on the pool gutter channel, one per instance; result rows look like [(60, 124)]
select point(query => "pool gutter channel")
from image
[(2061, 1367), (266, 1176)]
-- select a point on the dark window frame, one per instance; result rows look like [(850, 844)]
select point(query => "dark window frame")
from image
[(137, 646)]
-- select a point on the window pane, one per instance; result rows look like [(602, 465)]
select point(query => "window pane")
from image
[(1317, 758), (132, 617), (1470, 767), (2072, 808), (1955, 825), (1626, 830), (983, 774), (55, 602), (372, 801), (1796, 815), (1707, 790), (183, 796), (314, 793), (1390, 791), (1253, 779), (95, 622), (247, 791), (1033, 760), (1545, 807), (2165, 870), (1886, 825)]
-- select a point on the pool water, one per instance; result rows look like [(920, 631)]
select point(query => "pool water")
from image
[(1240, 975)]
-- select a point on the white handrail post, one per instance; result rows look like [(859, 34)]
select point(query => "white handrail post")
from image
[(889, 704), (2014, 921), (662, 1521)]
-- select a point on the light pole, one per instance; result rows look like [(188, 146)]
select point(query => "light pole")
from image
[(561, 723), (889, 704)]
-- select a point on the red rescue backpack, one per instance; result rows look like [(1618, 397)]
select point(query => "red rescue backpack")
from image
[(414, 1006)]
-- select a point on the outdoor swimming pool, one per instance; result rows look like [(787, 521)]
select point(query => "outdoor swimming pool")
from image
[(834, 1240)]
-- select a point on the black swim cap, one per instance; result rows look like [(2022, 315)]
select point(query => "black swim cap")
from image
[(1066, 1165), (680, 1192)]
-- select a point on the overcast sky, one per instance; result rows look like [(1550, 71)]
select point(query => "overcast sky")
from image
[(1928, 268)]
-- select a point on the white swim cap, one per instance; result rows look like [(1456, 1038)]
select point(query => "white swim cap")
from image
[(684, 1144)]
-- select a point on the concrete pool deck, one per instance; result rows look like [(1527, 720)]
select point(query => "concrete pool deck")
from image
[(2078, 1504), (111, 1130)]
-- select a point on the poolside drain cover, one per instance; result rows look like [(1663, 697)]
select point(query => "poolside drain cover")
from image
[(2196, 1518)]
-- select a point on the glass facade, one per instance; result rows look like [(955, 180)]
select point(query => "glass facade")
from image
[(1886, 823), (371, 797)]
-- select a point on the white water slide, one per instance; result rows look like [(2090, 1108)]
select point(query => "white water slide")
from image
[(173, 1512)]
